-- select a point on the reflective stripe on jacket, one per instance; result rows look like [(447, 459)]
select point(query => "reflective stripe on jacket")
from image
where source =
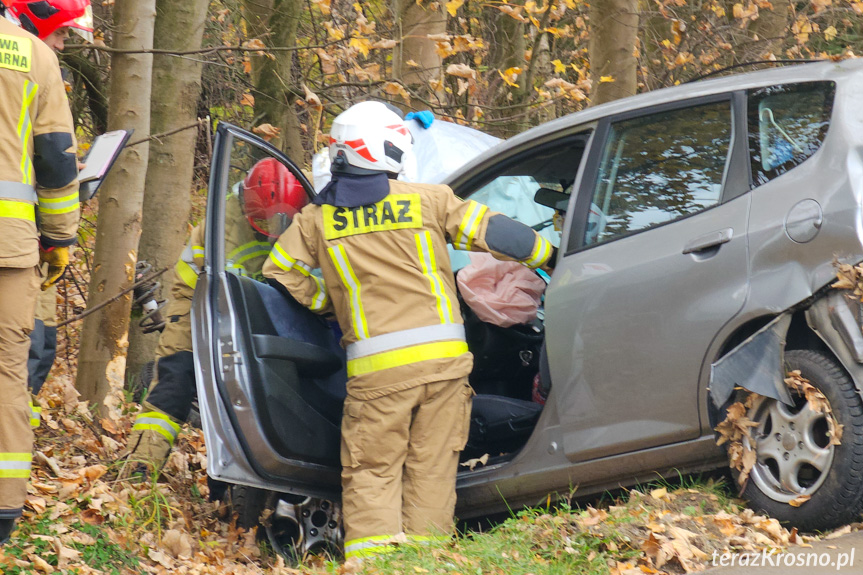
[(387, 276), (38, 166)]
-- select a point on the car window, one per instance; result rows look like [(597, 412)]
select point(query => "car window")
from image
[(787, 124), (252, 223), (658, 168), (533, 189)]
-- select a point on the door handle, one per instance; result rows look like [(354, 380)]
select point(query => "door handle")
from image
[(707, 241)]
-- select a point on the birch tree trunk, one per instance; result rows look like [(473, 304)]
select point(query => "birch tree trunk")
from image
[(275, 23), (613, 33), (104, 333), (167, 202)]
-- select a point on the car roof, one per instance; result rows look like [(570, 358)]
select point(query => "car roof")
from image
[(789, 74)]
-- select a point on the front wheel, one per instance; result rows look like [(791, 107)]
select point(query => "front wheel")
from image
[(800, 477)]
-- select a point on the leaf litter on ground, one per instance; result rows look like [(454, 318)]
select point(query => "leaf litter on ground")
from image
[(80, 519)]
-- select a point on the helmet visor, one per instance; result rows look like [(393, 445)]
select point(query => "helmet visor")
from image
[(83, 24), (271, 227)]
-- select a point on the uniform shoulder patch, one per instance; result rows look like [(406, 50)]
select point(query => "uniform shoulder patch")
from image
[(16, 53), (394, 212)]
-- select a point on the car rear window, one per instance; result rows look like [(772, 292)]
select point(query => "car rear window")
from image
[(787, 125)]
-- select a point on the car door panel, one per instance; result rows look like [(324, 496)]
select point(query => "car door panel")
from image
[(629, 321), (270, 373)]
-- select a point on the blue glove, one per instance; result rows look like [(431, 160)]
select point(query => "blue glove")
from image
[(425, 117)]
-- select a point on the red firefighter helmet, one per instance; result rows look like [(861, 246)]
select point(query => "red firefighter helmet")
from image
[(42, 17), (271, 196)]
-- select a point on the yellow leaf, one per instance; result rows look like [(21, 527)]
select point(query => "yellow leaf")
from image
[(246, 100), (362, 45), (604, 79), (412, 64), (453, 6), (718, 10), (396, 89), (559, 68), (509, 75), (830, 33), (323, 6), (334, 33), (666, 43), (659, 493)]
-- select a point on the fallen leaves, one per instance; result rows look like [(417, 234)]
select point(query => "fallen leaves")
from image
[(817, 403), (733, 430), (472, 463)]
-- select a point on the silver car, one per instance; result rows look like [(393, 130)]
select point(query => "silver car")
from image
[(700, 228)]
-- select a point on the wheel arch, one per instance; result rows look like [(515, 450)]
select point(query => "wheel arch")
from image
[(806, 331)]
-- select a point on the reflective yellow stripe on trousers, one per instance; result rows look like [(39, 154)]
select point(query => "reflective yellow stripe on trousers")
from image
[(15, 465), (158, 422), (368, 546), (35, 415)]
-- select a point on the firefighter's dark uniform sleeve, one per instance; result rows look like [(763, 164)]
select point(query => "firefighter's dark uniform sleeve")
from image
[(54, 162), (293, 259), (471, 226)]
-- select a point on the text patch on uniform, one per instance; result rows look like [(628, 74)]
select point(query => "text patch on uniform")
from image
[(15, 53), (394, 212)]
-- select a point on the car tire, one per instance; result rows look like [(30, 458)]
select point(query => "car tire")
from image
[(837, 491), (247, 503)]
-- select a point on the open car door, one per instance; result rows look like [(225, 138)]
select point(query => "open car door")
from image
[(270, 373)]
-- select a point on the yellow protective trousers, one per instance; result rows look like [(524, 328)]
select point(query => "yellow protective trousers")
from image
[(18, 290), (399, 461)]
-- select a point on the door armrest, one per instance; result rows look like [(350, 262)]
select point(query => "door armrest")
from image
[(311, 360)]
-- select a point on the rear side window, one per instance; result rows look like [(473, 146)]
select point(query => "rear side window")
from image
[(659, 168), (787, 124)]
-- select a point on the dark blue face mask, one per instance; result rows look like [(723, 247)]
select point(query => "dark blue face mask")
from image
[(350, 191)]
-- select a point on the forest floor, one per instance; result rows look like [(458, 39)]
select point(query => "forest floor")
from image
[(80, 519)]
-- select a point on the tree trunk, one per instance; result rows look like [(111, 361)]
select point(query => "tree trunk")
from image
[(104, 333), (167, 201), (275, 22), (613, 33), (771, 28), (413, 24)]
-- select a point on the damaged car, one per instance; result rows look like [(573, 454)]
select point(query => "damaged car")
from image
[(700, 229)]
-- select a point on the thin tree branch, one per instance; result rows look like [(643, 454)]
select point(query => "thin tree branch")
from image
[(209, 50), (164, 134), (140, 282)]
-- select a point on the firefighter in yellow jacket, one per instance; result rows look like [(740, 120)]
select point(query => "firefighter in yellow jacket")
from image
[(37, 166), (381, 247), (267, 200)]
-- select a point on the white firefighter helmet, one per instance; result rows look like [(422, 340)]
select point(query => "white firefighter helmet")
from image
[(369, 138)]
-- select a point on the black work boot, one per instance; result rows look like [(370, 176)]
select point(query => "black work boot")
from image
[(7, 526)]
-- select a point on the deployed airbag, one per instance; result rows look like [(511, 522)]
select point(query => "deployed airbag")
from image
[(501, 293)]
